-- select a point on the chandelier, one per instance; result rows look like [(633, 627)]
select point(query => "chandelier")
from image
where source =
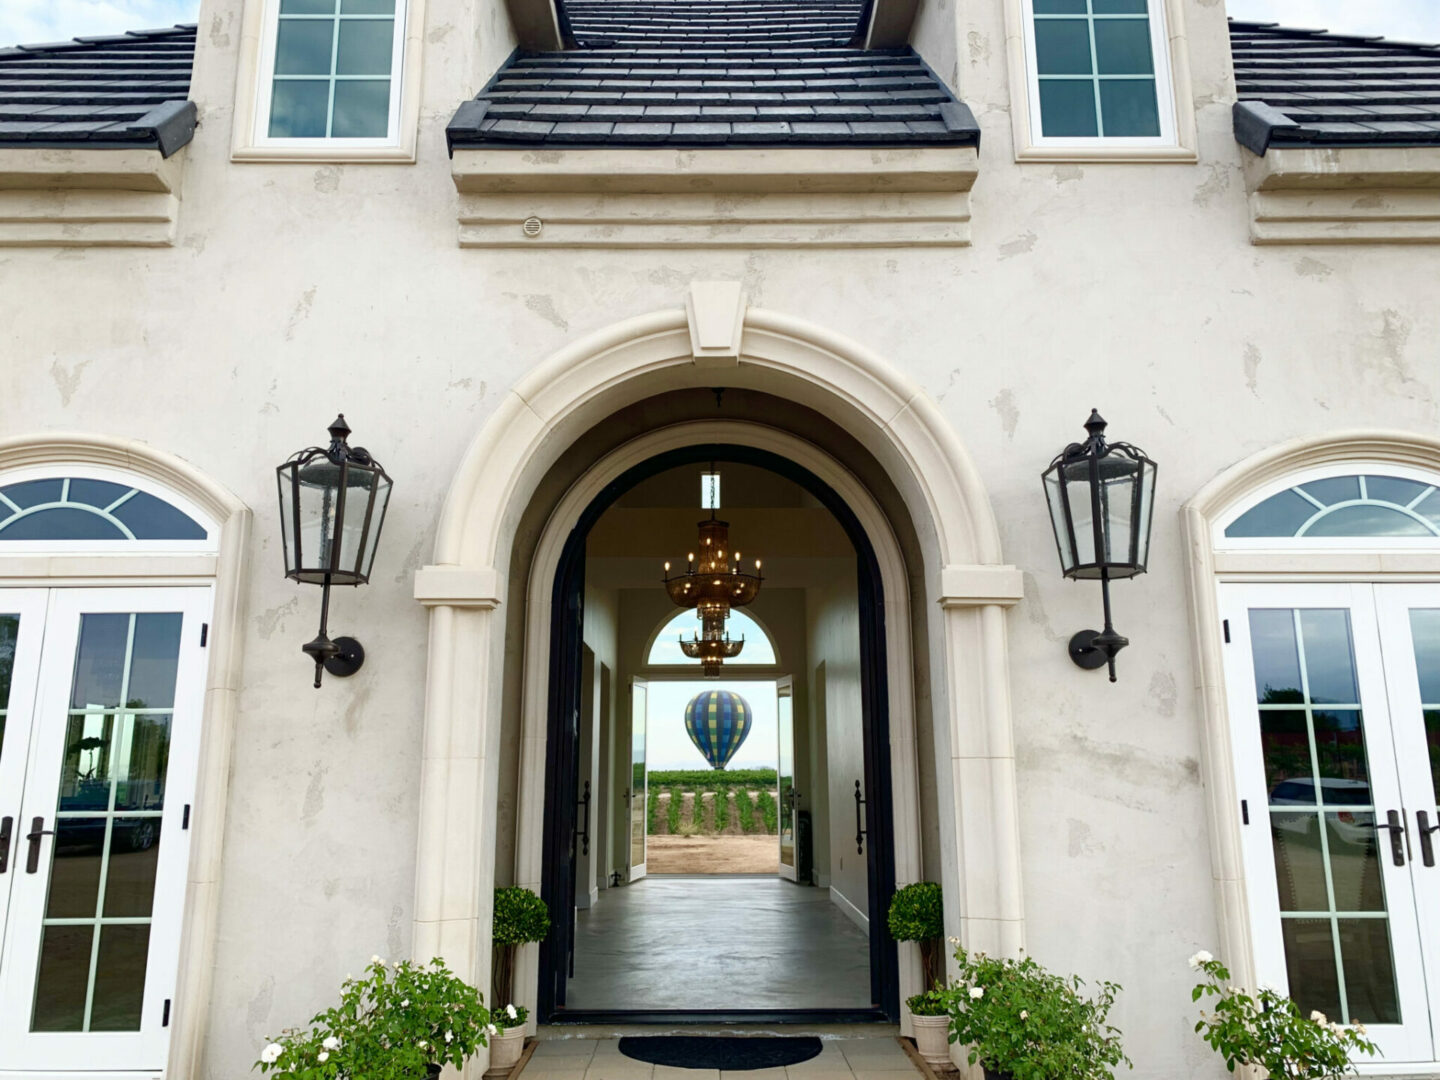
[(712, 585)]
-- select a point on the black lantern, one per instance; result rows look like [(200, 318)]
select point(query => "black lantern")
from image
[(1101, 496), (332, 504)]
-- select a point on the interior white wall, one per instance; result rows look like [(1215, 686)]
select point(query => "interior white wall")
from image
[(600, 632)]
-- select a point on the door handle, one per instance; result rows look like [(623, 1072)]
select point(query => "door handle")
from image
[(1423, 826), (584, 832), (1397, 836), (859, 820), (37, 830), (7, 826)]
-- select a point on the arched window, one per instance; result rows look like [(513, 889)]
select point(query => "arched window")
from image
[(1378, 507), (665, 648), (96, 509)]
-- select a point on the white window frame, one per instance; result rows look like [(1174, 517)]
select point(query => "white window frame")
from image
[(1176, 141), (209, 545), (256, 84), (1221, 542)]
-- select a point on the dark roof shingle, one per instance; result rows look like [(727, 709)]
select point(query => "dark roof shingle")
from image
[(121, 91), (704, 73), (1313, 88)]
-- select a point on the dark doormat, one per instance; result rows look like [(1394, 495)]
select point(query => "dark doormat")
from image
[(721, 1051)]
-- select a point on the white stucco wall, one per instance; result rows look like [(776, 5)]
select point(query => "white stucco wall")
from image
[(295, 291)]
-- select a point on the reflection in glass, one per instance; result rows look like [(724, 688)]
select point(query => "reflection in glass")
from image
[(1276, 656), (1340, 754), (120, 978), (1345, 506), (1285, 743), (123, 756), (1299, 862), (1370, 992), (1310, 965), (639, 792), (9, 634), (786, 725), (155, 655), (100, 661), (1329, 659), (130, 870), (1354, 861), (63, 978), (75, 868)]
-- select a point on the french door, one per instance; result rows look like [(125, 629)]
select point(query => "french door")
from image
[(1334, 695), (788, 796), (639, 784), (97, 774)]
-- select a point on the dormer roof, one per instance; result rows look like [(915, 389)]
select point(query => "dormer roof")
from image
[(123, 91)]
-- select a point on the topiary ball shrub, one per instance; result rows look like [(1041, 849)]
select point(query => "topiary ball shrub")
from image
[(520, 917), (917, 914)]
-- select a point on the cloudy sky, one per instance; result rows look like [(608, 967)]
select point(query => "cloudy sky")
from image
[(51, 20)]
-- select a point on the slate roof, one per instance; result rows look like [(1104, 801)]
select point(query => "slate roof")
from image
[(704, 73), (1313, 88), (124, 91)]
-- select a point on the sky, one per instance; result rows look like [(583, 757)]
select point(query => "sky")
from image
[(670, 748), (32, 21)]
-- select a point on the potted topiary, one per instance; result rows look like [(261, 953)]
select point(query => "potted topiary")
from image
[(520, 917), (1268, 1031), (1022, 1022), (402, 1022), (930, 1020), (917, 915)]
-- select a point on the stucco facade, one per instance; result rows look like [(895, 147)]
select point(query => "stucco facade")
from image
[(294, 289)]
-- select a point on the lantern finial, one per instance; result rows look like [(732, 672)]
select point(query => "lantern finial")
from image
[(1095, 425)]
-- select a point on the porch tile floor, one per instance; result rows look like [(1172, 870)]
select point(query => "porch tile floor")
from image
[(600, 1059)]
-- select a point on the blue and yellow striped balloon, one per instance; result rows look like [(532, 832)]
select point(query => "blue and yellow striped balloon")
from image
[(717, 722)]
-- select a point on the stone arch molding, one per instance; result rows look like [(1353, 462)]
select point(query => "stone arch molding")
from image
[(715, 340), (1208, 567), (223, 569)]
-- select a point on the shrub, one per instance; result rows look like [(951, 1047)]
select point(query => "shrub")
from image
[(652, 811), (710, 777), (672, 817), (722, 809), (390, 1025), (745, 807), (1030, 1024), (917, 914), (767, 811), (520, 917), (933, 1002), (1268, 1030)]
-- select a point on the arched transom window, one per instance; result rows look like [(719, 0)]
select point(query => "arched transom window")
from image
[(95, 509), (665, 649), (1375, 507)]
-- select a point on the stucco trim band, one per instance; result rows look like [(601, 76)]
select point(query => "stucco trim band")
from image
[(89, 198), (728, 198), (222, 683), (1344, 195)]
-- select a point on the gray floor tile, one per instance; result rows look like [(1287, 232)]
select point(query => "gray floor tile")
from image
[(548, 1049)]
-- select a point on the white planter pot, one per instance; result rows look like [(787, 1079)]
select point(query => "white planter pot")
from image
[(932, 1038), (505, 1050)]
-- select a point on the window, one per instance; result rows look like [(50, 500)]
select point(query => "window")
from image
[(1345, 506), (1098, 69), (332, 72), (665, 649), (76, 508)]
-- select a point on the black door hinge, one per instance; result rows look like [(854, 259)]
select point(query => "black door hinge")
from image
[(1226, 624), (205, 634), (185, 818), (1245, 811), (165, 1020)]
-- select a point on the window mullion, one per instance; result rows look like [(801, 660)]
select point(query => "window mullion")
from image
[(1094, 67), (334, 71)]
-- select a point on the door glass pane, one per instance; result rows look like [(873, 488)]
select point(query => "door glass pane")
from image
[(786, 724), (9, 634), (1322, 818), (109, 797), (639, 794), (1425, 634)]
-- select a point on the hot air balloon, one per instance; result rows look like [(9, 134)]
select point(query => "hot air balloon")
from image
[(717, 722)]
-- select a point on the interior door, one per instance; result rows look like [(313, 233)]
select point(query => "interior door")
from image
[(639, 782), (1326, 862), (97, 884), (787, 795), (22, 629), (1409, 618)]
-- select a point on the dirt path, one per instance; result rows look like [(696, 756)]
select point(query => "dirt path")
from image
[(712, 855)]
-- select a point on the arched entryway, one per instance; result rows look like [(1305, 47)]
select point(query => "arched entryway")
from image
[(957, 573)]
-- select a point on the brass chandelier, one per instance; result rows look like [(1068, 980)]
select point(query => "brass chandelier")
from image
[(712, 586)]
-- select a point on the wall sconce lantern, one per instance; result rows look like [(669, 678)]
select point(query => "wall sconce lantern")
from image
[(1101, 497), (332, 504)]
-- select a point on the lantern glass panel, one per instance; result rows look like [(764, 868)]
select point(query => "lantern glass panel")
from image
[(317, 486), (377, 517), (286, 479), (354, 538), (1055, 495), (1118, 476), (1147, 513), (1082, 509)]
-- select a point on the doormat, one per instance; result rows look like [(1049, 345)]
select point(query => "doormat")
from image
[(721, 1051)]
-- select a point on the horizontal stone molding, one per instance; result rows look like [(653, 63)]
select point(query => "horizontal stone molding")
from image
[(459, 586), (972, 586), (731, 198), (88, 198), (1345, 195)]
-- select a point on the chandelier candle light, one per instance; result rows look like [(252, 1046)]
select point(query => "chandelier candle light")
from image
[(712, 585)]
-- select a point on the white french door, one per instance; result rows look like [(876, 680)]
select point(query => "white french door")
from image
[(101, 745), (639, 784), (787, 795), (1327, 685)]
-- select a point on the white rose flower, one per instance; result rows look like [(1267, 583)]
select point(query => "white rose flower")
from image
[(1269, 987), (375, 959), (271, 1053), (1024, 1014), (1318, 1017), (449, 1037), (1201, 957), (510, 1012), (324, 1055), (976, 993), (423, 1045), (491, 1029), (405, 1004), (331, 1043)]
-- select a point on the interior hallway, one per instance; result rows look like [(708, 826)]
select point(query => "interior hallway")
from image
[(716, 943), (850, 1058)]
